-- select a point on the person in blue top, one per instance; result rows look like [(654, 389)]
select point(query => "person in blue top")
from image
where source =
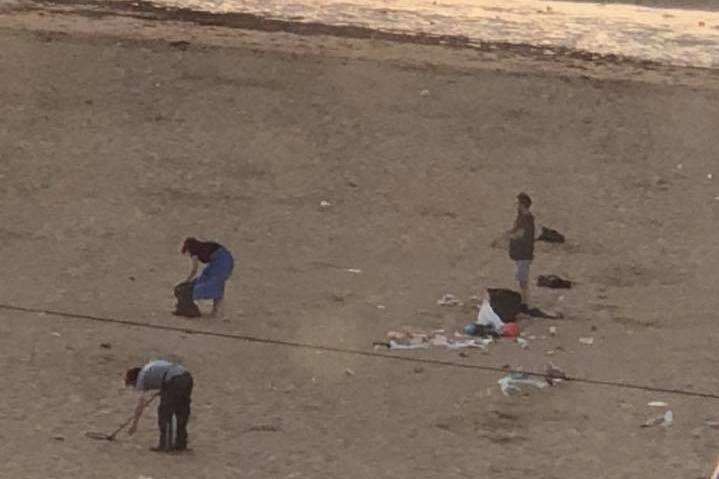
[(174, 384), (211, 282)]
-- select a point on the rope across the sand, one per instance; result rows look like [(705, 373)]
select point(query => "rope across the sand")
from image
[(356, 352)]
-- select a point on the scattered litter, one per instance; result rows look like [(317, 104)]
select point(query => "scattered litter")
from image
[(712, 423), (449, 300), (552, 330), (55, 333), (325, 204), (523, 343), (709, 176), (424, 93), (665, 420), (106, 345), (554, 374), (349, 372), (702, 24), (381, 306), (588, 341), (511, 383), (657, 404), (510, 330), (58, 438), (424, 340), (354, 270), (418, 369), (487, 323), (480, 343), (680, 166), (142, 476), (507, 304), (395, 345)]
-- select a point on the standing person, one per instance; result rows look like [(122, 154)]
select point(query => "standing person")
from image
[(521, 244), (211, 283), (174, 384)]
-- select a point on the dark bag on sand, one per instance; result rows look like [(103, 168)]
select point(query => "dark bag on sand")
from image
[(553, 281), (550, 236), (507, 304), (185, 304)]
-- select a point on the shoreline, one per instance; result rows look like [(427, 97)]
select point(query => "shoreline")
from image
[(144, 21), (679, 37)]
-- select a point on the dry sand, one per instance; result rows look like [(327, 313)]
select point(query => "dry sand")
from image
[(115, 144)]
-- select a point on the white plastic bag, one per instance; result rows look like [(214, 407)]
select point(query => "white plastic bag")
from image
[(487, 317)]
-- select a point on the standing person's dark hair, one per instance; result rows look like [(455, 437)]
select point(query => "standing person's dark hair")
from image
[(131, 376), (524, 199), (521, 244), (211, 282)]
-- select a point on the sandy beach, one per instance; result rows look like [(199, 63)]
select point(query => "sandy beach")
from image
[(122, 134)]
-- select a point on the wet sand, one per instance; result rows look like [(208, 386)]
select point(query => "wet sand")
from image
[(667, 35), (122, 135), (688, 4)]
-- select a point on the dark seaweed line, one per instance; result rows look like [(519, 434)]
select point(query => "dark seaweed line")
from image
[(145, 10)]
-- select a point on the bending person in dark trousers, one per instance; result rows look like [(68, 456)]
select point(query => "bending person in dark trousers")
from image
[(174, 383)]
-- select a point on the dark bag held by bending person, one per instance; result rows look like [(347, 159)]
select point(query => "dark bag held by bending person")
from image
[(185, 304)]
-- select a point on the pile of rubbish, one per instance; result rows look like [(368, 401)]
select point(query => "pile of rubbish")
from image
[(489, 323), (511, 384), (407, 339)]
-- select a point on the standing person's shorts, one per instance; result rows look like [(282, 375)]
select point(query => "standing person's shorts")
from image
[(523, 270)]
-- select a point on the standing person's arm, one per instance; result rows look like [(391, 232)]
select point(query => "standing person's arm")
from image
[(517, 231), (514, 233), (193, 271)]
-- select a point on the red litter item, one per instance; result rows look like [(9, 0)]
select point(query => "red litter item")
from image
[(510, 330)]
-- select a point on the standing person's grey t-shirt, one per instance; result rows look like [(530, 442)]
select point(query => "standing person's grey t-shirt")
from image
[(153, 373)]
